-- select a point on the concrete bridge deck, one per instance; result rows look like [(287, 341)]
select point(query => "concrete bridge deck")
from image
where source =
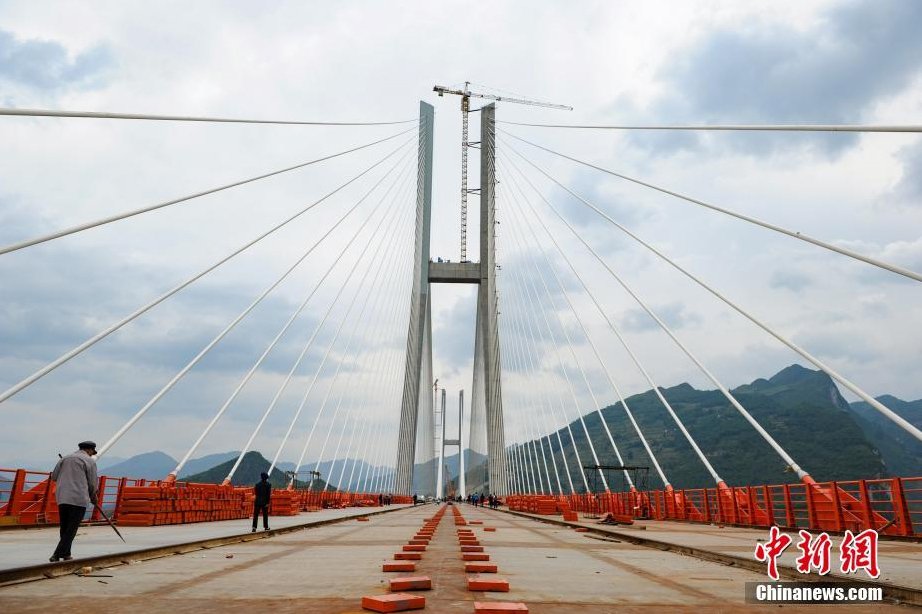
[(329, 568)]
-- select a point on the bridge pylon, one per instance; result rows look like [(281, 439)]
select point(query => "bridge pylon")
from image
[(419, 333)]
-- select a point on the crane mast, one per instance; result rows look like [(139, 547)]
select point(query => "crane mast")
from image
[(466, 95)]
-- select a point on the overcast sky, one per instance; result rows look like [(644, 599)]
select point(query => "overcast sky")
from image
[(625, 62)]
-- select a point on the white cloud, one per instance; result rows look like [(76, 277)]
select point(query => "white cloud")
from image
[(374, 61)]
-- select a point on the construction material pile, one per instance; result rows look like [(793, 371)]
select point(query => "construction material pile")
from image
[(144, 506)]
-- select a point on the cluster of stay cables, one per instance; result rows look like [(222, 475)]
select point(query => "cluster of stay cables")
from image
[(359, 335), (537, 283)]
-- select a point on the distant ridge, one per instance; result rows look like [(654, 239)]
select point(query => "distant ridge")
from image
[(801, 408)]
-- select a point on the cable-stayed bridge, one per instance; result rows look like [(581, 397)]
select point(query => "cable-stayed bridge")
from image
[(357, 397)]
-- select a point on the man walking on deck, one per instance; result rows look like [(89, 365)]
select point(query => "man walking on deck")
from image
[(75, 490), (263, 490)]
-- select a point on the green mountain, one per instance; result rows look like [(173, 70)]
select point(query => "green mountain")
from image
[(902, 453), (802, 409), (248, 473)]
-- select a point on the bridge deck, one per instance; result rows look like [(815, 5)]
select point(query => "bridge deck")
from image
[(20, 547), (329, 569), (900, 561)]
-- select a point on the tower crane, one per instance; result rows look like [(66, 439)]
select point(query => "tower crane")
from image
[(466, 95)]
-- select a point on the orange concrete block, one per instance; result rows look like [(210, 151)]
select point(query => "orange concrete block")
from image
[(475, 556), (419, 540), (480, 567), (362, 518), (395, 602), (471, 548), (403, 566), (469, 541), (493, 529), (411, 583), (498, 607), (581, 530), (414, 548), (408, 556), (492, 584), (475, 521)]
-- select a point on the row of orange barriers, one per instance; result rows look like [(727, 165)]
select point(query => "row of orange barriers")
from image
[(27, 498), (891, 506)]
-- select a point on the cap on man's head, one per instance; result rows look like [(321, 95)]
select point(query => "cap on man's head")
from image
[(87, 445), (264, 475)]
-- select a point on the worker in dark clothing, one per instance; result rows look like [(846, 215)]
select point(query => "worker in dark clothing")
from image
[(415, 499), (75, 490), (263, 490)]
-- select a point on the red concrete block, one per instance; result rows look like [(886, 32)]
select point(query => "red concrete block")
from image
[(475, 556), (408, 556), (398, 567), (471, 548), (498, 607), (395, 602), (411, 583), (468, 541), (492, 529), (362, 518), (414, 548), (480, 567), (475, 521), (581, 530), (419, 540), (496, 585)]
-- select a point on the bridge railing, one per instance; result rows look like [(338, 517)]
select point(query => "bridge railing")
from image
[(892, 506), (27, 497)]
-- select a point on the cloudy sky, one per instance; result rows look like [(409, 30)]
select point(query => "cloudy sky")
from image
[(625, 62)]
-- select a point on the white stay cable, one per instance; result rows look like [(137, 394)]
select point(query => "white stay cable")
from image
[(373, 378), (527, 365), (733, 401), (182, 118), (393, 223), (791, 233), (304, 351), (529, 432), (516, 210), (18, 387), (246, 378), (121, 216), (736, 127), (211, 344), (533, 371), (533, 336), (653, 385), (582, 372), (880, 407), (297, 414), (563, 369), (363, 463), (517, 361), (379, 234), (362, 324)]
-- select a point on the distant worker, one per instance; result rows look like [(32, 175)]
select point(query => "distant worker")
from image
[(76, 484), (263, 490), (415, 499)]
